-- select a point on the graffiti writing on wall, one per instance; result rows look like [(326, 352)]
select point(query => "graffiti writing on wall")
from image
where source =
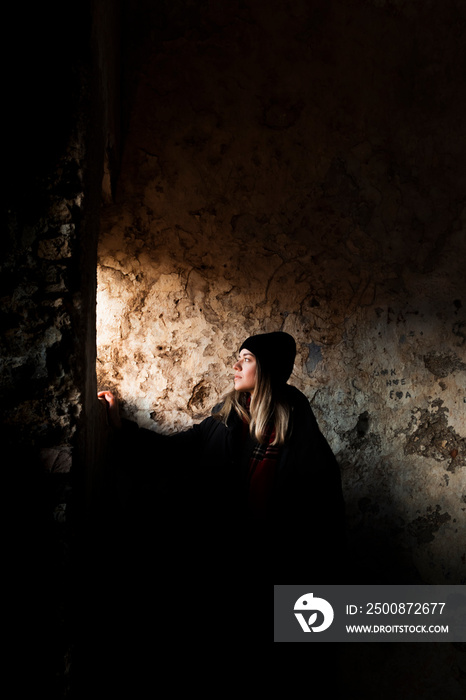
[(396, 386)]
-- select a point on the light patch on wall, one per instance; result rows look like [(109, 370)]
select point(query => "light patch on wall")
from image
[(314, 357)]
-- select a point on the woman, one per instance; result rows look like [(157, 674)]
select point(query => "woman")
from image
[(255, 485)]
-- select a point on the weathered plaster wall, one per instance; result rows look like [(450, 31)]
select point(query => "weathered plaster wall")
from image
[(300, 166)]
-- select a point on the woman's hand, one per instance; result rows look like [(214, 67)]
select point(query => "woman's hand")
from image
[(111, 403)]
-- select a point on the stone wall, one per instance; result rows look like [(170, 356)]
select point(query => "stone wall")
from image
[(56, 127), (61, 127), (300, 166)]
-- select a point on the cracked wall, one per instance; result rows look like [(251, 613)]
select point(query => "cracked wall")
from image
[(301, 167)]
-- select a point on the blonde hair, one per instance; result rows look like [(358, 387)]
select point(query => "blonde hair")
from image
[(268, 405)]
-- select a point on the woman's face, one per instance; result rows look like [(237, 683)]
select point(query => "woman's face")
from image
[(245, 371)]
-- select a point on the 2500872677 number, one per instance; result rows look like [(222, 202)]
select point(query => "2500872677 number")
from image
[(404, 608)]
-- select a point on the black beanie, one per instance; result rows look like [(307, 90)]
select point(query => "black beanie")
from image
[(276, 353)]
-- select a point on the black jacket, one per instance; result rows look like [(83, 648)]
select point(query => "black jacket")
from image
[(191, 489)]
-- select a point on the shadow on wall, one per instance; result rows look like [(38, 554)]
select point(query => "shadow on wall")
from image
[(376, 555)]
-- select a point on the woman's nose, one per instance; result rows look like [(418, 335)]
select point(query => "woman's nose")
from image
[(237, 365)]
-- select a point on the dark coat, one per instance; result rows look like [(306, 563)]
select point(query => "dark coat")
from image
[(191, 488)]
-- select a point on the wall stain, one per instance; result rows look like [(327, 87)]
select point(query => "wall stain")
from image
[(201, 398), (424, 527), (435, 439), (442, 364), (314, 357)]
